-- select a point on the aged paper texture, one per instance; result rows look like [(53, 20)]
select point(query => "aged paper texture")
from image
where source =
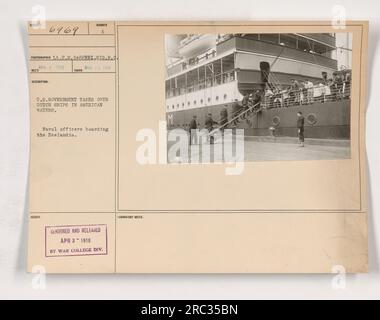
[(197, 147)]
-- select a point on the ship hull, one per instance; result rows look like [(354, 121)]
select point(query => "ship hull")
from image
[(330, 120)]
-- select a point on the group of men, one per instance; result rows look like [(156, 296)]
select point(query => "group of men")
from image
[(250, 103), (240, 111), (210, 122), (209, 126), (306, 92)]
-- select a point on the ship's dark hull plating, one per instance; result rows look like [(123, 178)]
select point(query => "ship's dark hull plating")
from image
[(330, 120)]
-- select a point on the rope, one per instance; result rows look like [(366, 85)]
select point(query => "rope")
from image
[(278, 56), (270, 73), (312, 52)]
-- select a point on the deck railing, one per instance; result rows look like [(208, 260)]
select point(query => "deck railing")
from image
[(209, 82), (318, 93)]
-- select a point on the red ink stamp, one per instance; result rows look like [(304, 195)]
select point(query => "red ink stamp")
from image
[(76, 240)]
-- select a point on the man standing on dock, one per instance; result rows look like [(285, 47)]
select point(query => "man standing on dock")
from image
[(301, 129)]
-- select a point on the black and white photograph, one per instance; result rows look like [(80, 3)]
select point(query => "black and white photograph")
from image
[(288, 94)]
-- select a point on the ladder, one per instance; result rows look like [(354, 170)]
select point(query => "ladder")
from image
[(237, 117)]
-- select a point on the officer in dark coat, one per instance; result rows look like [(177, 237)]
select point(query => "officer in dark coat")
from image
[(223, 119), (301, 129), (236, 109), (245, 101), (209, 125), (193, 130), (245, 104), (256, 98)]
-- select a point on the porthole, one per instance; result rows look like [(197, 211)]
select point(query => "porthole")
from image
[(312, 119), (276, 121)]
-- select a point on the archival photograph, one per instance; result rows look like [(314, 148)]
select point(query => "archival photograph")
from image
[(258, 97)]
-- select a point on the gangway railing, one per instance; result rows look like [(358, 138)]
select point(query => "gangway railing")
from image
[(240, 114)]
